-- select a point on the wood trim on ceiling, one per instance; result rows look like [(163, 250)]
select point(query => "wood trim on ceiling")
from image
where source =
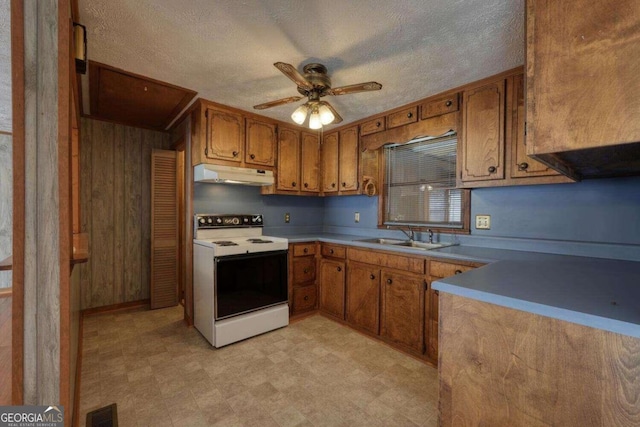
[(131, 99)]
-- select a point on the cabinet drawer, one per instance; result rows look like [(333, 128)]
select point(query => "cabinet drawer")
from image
[(304, 249), (445, 269), (406, 116), (437, 107), (333, 251), (304, 270), (386, 259), (304, 298), (372, 126)]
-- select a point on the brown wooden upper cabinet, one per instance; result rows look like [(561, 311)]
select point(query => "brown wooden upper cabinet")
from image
[(583, 85), (225, 135), (288, 160), (493, 135), (372, 126), (348, 160), (309, 162), (439, 106), (483, 128), (260, 148), (402, 117), (329, 172)]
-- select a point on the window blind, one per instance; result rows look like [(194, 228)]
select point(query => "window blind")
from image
[(420, 184)]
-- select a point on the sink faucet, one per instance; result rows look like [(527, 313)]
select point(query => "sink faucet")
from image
[(410, 234), (430, 235)]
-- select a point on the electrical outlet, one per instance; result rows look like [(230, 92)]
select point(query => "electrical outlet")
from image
[(356, 217), (287, 217), (483, 222)]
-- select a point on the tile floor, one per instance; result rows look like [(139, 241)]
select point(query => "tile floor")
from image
[(314, 372)]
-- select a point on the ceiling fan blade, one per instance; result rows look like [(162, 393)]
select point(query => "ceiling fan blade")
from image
[(359, 87), (291, 72), (277, 102), (337, 118)]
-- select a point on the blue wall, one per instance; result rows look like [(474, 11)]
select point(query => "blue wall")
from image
[(591, 218), (306, 212)]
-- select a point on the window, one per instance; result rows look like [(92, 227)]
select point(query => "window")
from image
[(420, 184)]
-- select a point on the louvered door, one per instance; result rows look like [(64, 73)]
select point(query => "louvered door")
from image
[(164, 229)]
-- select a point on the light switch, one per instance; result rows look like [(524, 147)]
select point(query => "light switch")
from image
[(356, 217)]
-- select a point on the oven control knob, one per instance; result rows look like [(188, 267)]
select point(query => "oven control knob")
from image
[(201, 220), (235, 221), (218, 220), (257, 219), (209, 220)]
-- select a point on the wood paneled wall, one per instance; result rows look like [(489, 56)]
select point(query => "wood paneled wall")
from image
[(115, 207), (6, 194)]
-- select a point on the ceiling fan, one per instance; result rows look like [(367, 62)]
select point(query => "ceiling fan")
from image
[(314, 84)]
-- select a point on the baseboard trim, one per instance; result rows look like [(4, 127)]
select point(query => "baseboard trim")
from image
[(143, 303)]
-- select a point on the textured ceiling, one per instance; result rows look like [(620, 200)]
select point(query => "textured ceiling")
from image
[(225, 49)]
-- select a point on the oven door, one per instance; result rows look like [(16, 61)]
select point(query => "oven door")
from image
[(249, 282)]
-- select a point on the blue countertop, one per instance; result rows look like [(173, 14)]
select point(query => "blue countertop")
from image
[(596, 292)]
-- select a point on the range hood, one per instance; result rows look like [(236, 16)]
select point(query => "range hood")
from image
[(232, 175)]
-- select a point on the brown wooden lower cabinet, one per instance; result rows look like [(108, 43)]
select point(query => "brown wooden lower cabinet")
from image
[(332, 287), (363, 297), (402, 309), (506, 367), (303, 289)]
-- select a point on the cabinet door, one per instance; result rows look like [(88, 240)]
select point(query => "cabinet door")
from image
[(260, 148), (330, 163), (304, 298), (363, 297), (432, 347), (310, 148), (348, 168), (225, 135), (288, 160), (483, 133), (402, 313), (304, 270), (332, 281), (522, 165)]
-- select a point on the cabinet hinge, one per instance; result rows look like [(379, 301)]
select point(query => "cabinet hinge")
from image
[(206, 151), (424, 348), (525, 132), (425, 285), (206, 114)]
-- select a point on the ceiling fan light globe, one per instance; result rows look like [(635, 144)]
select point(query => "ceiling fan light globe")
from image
[(326, 116), (299, 115), (314, 120)]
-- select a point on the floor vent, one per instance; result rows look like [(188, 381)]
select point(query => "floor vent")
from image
[(103, 417)]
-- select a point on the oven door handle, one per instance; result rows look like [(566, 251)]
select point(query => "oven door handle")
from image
[(248, 256)]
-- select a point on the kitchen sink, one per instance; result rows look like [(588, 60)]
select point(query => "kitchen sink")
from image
[(382, 241), (406, 243)]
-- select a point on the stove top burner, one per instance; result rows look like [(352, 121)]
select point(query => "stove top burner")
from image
[(225, 243), (259, 241)]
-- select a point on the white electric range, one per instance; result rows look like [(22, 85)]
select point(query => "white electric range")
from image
[(239, 278)]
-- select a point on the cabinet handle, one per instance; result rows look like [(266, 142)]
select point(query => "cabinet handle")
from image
[(293, 184), (331, 251), (344, 184), (389, 281), (305, 250), (306, 297), (492, 169), (253, 156), (306, 184), (339, 268), (458, 272), (306, 270), (523, 166), (436, 292), (372, 277), (235, 154), (378, 124), (409, 115), (449, 103), (333, 185)]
